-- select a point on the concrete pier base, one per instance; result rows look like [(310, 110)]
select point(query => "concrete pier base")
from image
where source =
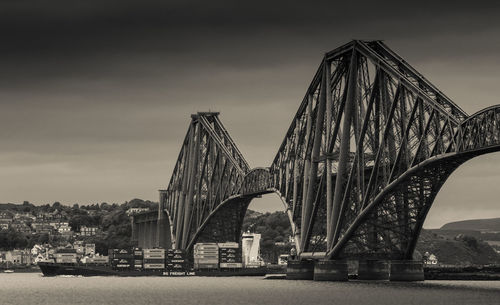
[(300, 270), (374, 270), (330, 270), (407, 270)]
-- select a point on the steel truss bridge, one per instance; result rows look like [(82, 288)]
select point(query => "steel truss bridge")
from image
[(369, 148)]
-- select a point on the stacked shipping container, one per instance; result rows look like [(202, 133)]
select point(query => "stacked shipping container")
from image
[(138, 258), (121, 259), (229, 255), (176, 260), (154, 258), (206, 256)]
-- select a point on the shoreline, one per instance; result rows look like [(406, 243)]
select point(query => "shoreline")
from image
[(30, 269)]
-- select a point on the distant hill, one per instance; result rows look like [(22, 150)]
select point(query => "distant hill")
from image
[(488, 225), (456, 249), (250, 214), (9, 206)]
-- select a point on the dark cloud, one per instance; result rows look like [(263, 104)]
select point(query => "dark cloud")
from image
[(95, 96)]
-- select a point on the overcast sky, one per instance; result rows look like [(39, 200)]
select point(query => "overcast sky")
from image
[(96, 96)]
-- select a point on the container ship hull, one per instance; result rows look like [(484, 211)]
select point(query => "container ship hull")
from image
[(54, 269)]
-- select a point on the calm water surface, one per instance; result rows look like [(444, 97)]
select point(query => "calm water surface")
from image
[(33, 288)]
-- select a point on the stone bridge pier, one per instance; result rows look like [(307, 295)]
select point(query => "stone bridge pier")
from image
[(145, 229)]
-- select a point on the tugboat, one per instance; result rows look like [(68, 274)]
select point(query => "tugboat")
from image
[(8, 270)]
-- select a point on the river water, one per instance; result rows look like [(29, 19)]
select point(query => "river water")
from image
[(33, 288)]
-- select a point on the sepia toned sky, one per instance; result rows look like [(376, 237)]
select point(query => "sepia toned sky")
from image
[(96, 96)]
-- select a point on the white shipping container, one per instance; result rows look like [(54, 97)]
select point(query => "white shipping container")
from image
[(201, 252), (205, 244), (207, 248), (206, 253), (207, 261), (231, 265), (154, 255), (228, 245), (154, 266), (153, 251), (206, 266), (206, 257), (211, 246), (211, 258)]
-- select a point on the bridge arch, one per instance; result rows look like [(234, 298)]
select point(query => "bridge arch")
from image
[(478, 135), (215, 228), (471, 192)]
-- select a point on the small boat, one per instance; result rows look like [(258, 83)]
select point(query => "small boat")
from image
[(8, 271)]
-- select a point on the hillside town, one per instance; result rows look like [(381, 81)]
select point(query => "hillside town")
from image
[(30, 233), (49, 231), (54, 223)]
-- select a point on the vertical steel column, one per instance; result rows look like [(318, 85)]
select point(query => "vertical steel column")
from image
[(344, 146), (151, 234), (147, 235), (329, 194), (159, 223), (182, 198), (193, 160), (295, 167), (303, 225), (404, 219), (133, 238), (140, 235), (154, 230), (318, 133)]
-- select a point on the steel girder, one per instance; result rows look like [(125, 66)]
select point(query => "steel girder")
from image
[(367, 125), (369, 148), (209, 169), (224, 223)]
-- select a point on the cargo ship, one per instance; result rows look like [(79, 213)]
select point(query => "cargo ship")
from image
[(54, 269), (210, 259)]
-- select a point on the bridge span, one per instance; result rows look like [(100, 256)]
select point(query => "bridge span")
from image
[(369, 148)]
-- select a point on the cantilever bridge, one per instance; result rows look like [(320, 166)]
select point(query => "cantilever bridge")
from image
[(369, 148)]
